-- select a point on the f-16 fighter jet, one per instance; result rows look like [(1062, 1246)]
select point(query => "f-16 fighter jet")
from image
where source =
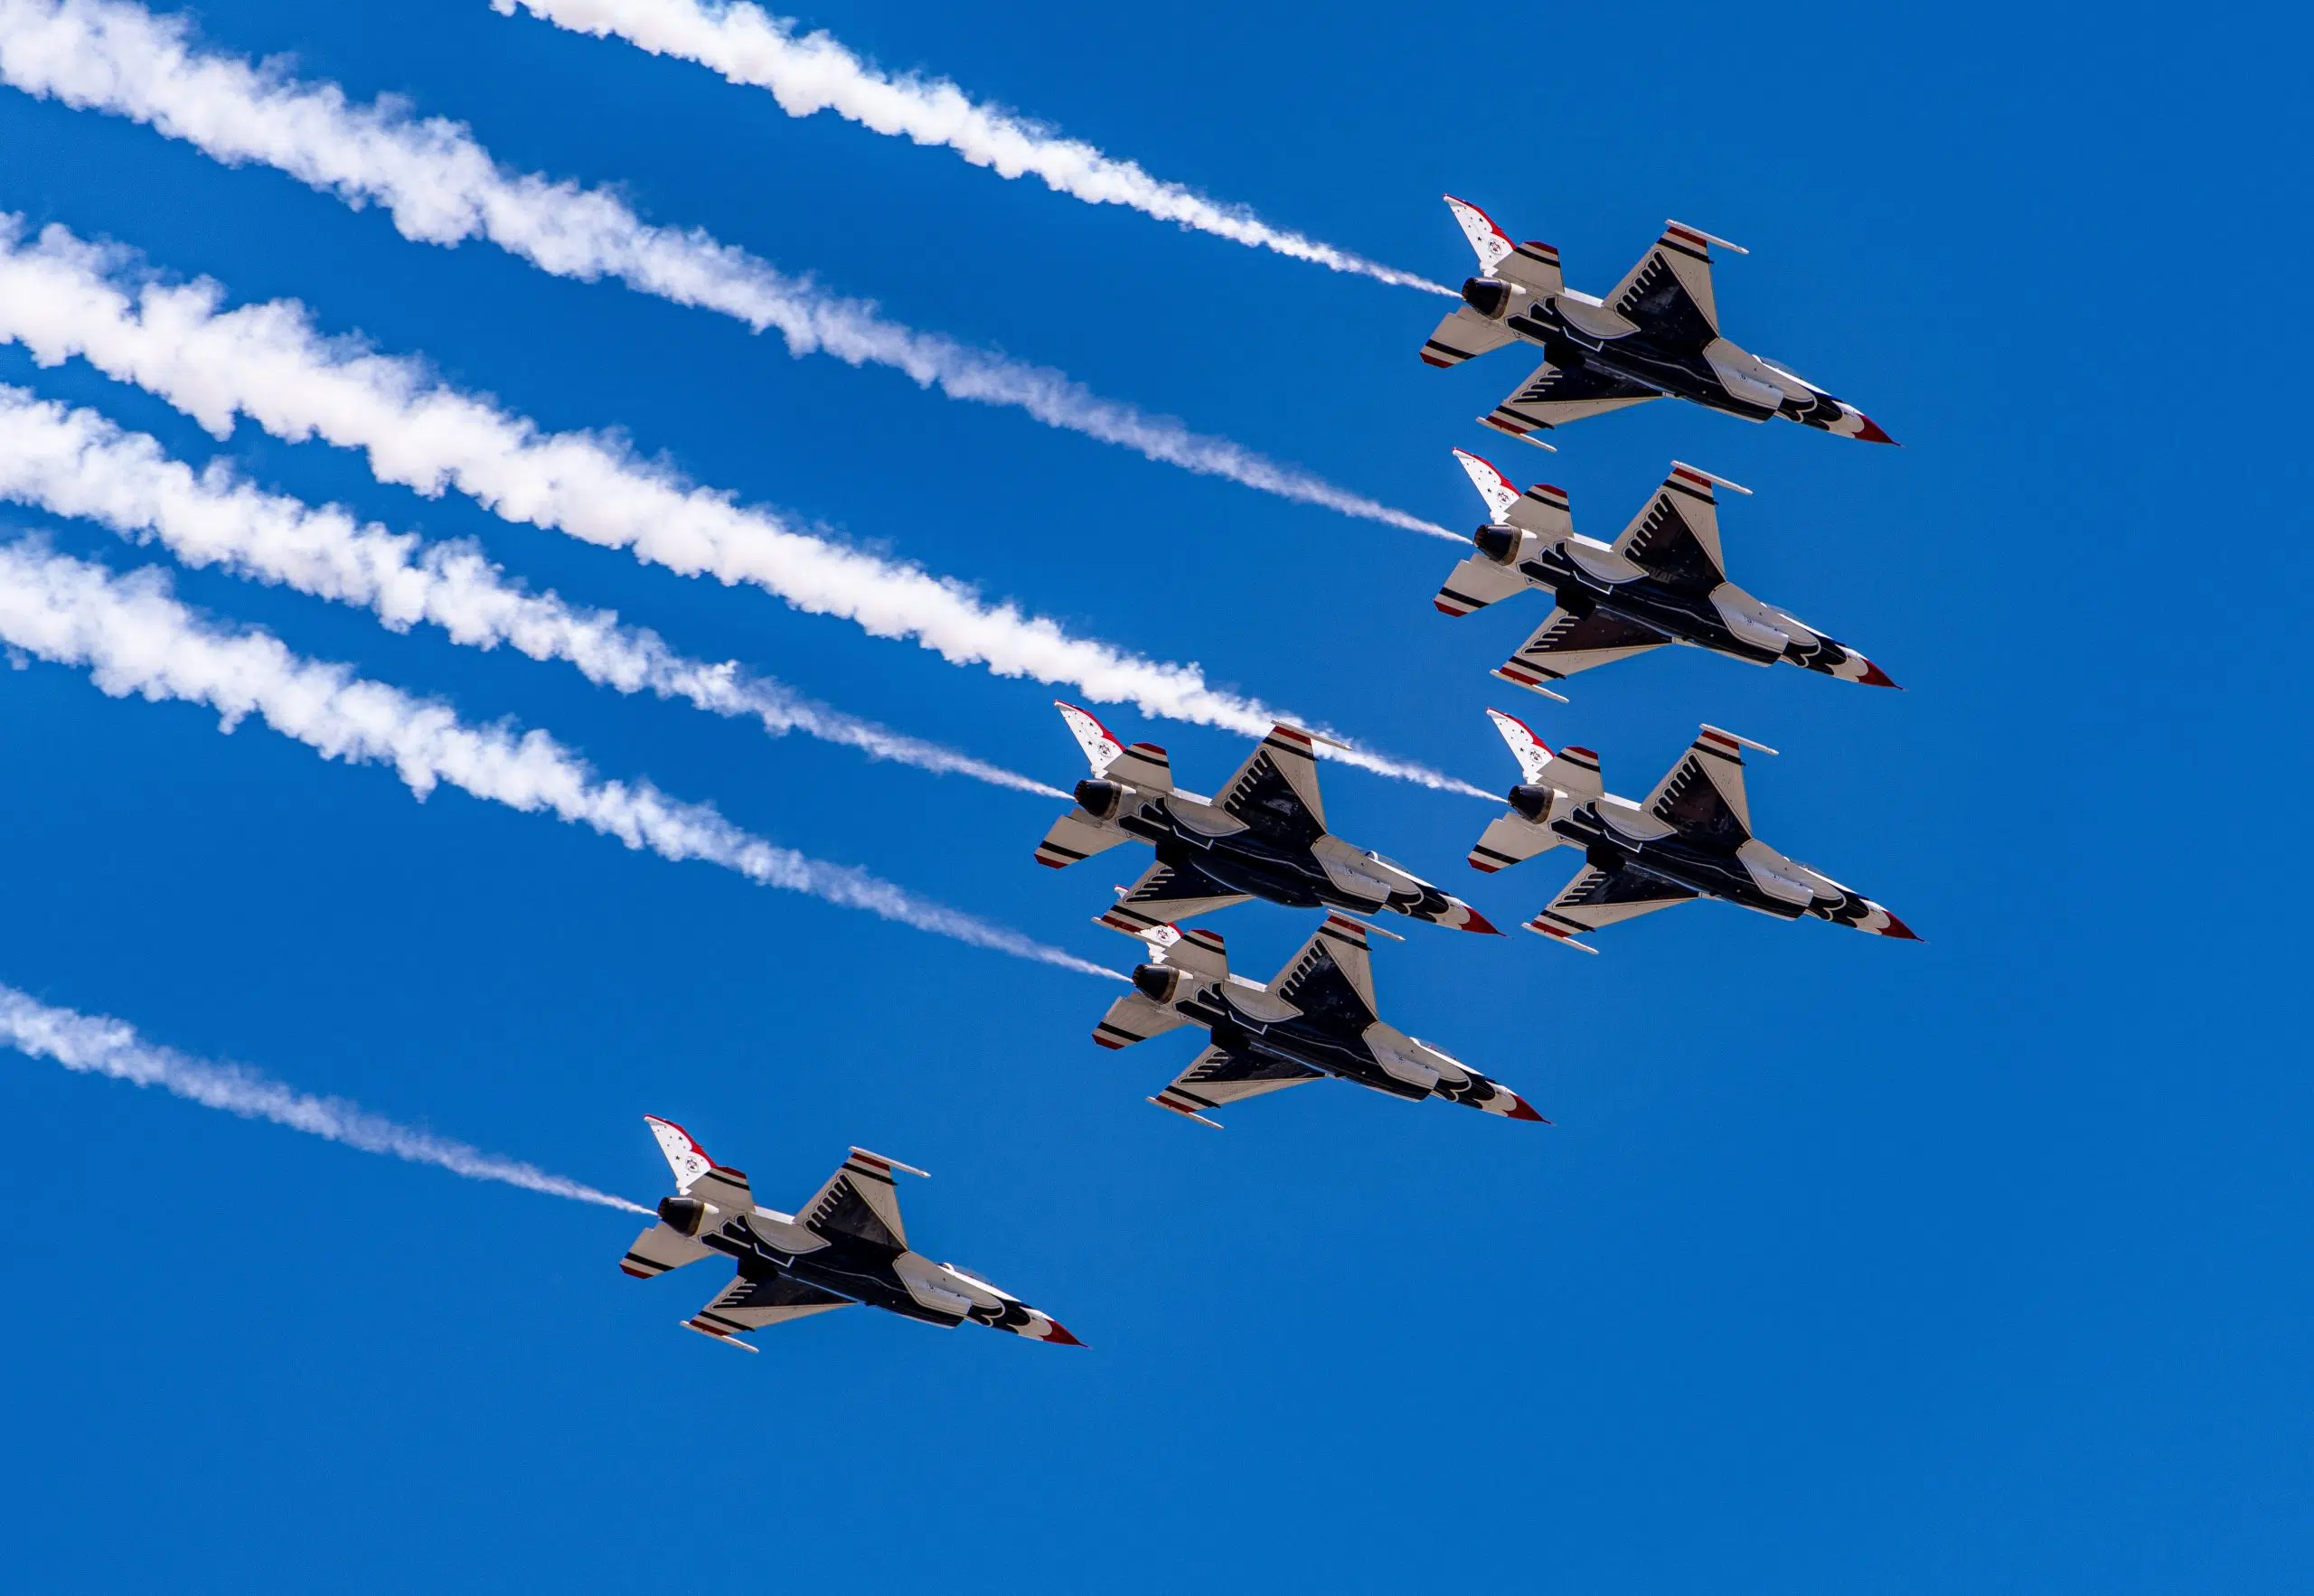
[(1691, 838), (1265, 837), (1316, 1019), (846, 1246), (1660, 582), (1657, 334)]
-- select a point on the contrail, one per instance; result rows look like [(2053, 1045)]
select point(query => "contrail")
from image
[(136, 638), (440, 186), (94, 1045), (62, 298), (818, 73), (77, 463)]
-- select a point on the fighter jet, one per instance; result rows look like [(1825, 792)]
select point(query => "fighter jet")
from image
[(1660, 582), (1265, 837), (1691, 838), (1657, 334), (1316, 1019), (847, 1246)]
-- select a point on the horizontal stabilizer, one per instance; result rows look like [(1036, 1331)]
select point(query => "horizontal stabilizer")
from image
[(1134, 1018), (659, 1249), (1476, 583), (1463, 335), (1075, 836), (1511, 840)]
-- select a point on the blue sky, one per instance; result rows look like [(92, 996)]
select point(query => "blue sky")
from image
[(1848, 1265)]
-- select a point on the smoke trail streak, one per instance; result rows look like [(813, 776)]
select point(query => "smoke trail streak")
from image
[(92, 1044), (77, 463), (60, 297), (440, 187), (134, 638), (818, 73)]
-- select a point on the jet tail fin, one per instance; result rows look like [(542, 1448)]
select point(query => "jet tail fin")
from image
[(1144, 766), (1573, 771)]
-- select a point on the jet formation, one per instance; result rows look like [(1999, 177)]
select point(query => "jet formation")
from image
[(1265, 834)]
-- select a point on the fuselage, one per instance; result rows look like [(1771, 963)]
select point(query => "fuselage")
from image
[(1585, 576), (1737, 869), (766, 1244), (1684, 358), (1185, 832)]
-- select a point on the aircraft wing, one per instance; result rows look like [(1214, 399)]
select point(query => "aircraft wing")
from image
[(1553, 396), (1166, 894), (1704, 794), (859, 1202), (1676, 539), (1566, 643), (1598, 898), (752, 1304), (1276, 792), (1333, 977), (1668, 293), (1218, 1076)]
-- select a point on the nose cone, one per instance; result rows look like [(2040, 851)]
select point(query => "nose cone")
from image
[(1060, 1336), (1870, 433), (1898, 929), (1474, 921), (1876, 677), (1520, 1109)]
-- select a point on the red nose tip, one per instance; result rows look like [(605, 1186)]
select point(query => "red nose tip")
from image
[(1061, 1336), (1525, 1111), (1479, 923), (1899, 930), (1876, 677), (1871, 434)]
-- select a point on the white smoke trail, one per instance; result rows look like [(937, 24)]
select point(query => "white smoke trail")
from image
[(94, 1045), (77, 463), (441, 186), (136, 638), (60, 298), (818, 73)]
